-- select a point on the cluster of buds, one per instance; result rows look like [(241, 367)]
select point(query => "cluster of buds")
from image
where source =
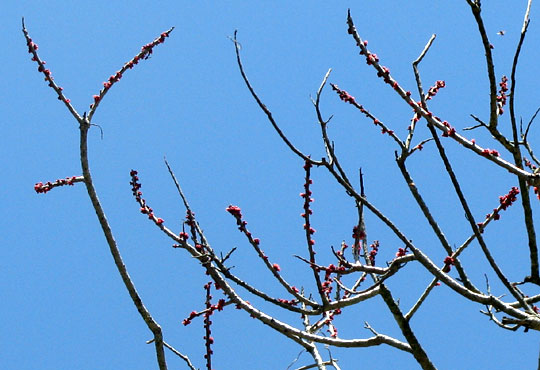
[(371, 58), (433, 90), (340, 252), (32, 49), (190, 221), (373, 252), (346, 97), (208, 339), (451, 131), (219, 306), (144, 54), (207, 313), (210, 308), (401, 252), (329, 321), (505, 201), (358, 235), (343, 95), (255, 242), (145, 209), (183, 236), (501, 98), (448, 263), (385, 74), (190, 218), (235, 211), (419, 147), (42, 188), (237, 214), (306, 195), (289, 302), (327, 283), (490, 152)]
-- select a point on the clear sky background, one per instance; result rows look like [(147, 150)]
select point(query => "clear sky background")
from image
[(63, 303)]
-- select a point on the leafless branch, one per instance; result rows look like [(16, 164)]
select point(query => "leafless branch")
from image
[(265, 109)]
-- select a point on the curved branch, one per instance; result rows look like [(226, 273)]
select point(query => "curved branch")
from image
[(523, 185), (265, 109), (113, 247)]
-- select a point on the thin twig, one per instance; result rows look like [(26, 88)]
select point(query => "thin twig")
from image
[(144, 54), (476, 11), (265, 109), (523, 185), (183, 357), (32, 49)]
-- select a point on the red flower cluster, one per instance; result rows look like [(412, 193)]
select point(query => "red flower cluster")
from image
[(450, 132), (307, 201), (290, 302), (358, 233), (501, 98), (487, 152), (235, 211), (385, 131), (145, 52), (505, 202), (373, 253), (448, 263), (190, 217), (147, 49), (210, 308), (44, 188), (112, 79), (371, 58), (433, 90), (343, 95), (327, 283), (401, 252), (145, 209), (385, 74), (32, 49)]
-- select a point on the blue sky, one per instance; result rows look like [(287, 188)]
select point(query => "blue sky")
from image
[(64, 303)]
